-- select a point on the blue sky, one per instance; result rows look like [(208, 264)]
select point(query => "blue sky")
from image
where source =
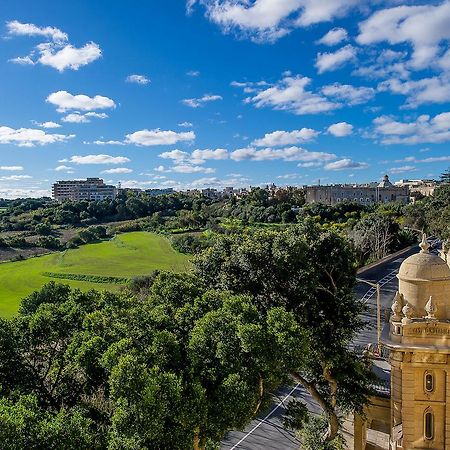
[(220, 92)]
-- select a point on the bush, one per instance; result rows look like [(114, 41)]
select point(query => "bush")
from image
[(43, 229), (49, 242)]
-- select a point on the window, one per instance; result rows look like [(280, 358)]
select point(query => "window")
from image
[(429, 425), (429, 382)]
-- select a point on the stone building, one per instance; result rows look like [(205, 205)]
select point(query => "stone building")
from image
[(366, 194), (417, 414), (89, 189)]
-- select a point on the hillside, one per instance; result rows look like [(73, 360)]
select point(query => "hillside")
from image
[(126, 255)]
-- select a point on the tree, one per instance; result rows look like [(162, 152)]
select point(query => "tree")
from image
[(445, 176), (176, 368), (310, 273)]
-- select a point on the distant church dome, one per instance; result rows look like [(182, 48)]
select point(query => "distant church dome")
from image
[(385, 183), (423, 275)]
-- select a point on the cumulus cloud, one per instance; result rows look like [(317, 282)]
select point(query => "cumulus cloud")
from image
[(402, 169), (334, 37), (340, 129), (418, 92), (56, 52), (208, 154), (345, 163), (16, 28), (425, 27), (158, 137), (11, 168), (425, 129), (65, 101), (269, 20), (291, 94), (186, 124), (110, 142), (16, 177), (326, 62), (97, 159), (118, 170), (352, 95), (137, 79), (198, 102), (68, 57), (49, 124), (30, 137), (176, 155), (83, 118), (279, 138), (187, 168), (286, 154), (64, 168)]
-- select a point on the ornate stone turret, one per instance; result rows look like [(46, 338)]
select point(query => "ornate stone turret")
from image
[(419, 346)]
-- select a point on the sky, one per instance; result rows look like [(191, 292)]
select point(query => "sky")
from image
[(213, 93)]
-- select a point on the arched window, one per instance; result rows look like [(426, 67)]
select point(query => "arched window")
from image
[(429, 425), (429, 382)]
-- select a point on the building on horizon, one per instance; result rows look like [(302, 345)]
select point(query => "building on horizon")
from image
[(90, 189), (366, 194)]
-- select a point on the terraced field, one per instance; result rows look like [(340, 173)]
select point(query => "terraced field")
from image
[(125, 256)]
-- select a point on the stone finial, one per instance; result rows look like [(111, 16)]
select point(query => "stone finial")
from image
[(444, 252), (397, 306), (408, 311), (431, 309), (424, 245)]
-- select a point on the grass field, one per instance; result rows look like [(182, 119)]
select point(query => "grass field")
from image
[(126, 255)]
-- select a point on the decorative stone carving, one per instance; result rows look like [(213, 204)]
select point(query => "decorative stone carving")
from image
[(424, 245), (408, 311), (431, 309), (397, 306)]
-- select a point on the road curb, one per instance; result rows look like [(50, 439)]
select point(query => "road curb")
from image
[(385, 259)]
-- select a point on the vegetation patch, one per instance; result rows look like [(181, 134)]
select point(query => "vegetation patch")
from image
[(91, 278)]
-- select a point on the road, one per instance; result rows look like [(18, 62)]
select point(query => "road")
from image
[(267, 432)]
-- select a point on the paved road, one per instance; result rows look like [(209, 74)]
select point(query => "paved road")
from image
[(267, 432)]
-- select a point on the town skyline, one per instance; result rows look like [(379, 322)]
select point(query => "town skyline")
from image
[(206, 94)]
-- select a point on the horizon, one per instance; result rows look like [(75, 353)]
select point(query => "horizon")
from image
[(206, 94)]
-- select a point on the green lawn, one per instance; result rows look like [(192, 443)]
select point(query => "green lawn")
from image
[(127, 255)]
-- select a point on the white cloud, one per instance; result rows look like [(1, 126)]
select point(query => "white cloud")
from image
[(290, 94), (345, 163), (47, 124), (68, 57), (425, 27), (158, 137), (288, 176), (176, 155), (198, 102), (11, 168), (426, 90), (17, 28), (326, 62), (118, 170), (138, 79), (278, 138), (97, 159), (23, 60), (75, 118), (352, 95), (286, 154), (29, 137), (186, 124), (65, 101), (340, 129), (83, 118), (402, 169), (16, 177), (334, 37), (63, 168), (269, 20), (187, 168), (207, 154), (424, 129), (193, 73), (111, 142)]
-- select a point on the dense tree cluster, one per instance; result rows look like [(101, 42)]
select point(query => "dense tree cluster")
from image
[(178, 360)]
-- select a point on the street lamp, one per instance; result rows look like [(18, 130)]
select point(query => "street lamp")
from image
[(378, 288)]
